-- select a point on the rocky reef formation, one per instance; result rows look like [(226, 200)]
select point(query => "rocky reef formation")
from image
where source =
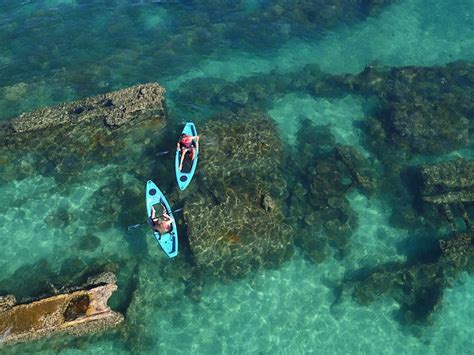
[(422, 109), (113, 109), (77, 311), (261, 89), (418, 288), (234, 211), (449, 185), (169, 50), (325, 173), (165, 287), (448, 182), (418, 285), (268, 24), (60, 141)]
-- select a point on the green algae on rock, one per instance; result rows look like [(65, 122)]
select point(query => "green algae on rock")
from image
[(235, 223)]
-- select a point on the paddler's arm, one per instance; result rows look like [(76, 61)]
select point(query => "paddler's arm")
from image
[(168, 217)]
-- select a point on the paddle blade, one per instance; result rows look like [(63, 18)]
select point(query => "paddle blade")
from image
[(135, 226)]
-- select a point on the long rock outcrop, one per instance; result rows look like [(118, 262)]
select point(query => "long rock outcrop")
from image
[(63, 140), (114, 109), (78, 311), (419, 288), (419, 285)]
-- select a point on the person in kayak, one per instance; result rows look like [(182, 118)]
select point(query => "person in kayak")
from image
[(187, 144), (161, 224)]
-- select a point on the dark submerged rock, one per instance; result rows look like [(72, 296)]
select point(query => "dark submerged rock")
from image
[(234, 223), (163, 286), (260, 89), (417, 287), (418, 284), (448, 182), (325, 173), (422, 109), (88, 242)]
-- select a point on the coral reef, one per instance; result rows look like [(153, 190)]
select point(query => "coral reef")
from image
[(234, 214), (77, 311)]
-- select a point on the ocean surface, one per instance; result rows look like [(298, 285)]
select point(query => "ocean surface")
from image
[(53, 51)]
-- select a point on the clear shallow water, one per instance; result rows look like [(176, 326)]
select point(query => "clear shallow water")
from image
[(54, 51), (49, 55), (338, 114)]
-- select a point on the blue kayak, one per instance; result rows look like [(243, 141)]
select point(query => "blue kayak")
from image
[(184, 176), (167, 241)]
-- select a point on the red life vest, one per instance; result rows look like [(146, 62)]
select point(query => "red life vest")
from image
[(186, 141)]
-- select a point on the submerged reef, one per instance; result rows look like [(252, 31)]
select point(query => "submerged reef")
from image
[(163, 286), (418, 284), (422, 109), (418, 288), (449, 185), (418, 109), (63, 140), (317, 204), (76, 311), (268, 24), (260, 89), (234, 214), (448, 182), (206, 27)]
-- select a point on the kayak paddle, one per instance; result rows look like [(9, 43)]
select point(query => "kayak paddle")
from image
[(135, 226)]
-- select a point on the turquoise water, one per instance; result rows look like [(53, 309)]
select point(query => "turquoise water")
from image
[(54, 51)]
